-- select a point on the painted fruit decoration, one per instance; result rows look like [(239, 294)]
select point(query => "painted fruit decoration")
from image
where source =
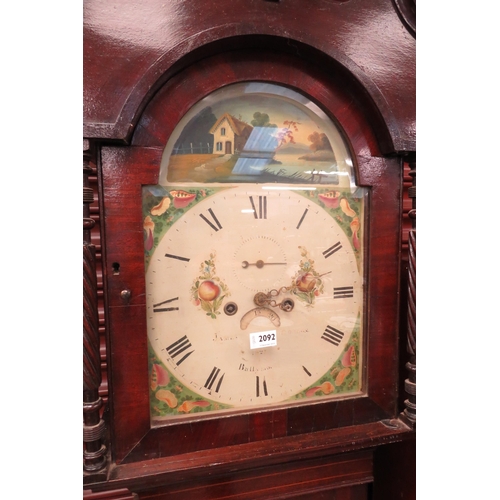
[(208, 290), (182, 199), (306, 282), (330, 199)]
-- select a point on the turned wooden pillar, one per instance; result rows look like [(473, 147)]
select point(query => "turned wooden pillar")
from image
[(410, 411), (94, 451)]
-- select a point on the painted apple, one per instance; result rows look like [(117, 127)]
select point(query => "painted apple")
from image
[(306, 282), (208, 290), (330, 199)]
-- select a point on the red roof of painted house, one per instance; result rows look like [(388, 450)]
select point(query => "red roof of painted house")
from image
[(236, 125)]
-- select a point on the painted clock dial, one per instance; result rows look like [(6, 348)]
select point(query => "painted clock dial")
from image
[(254, 258), (214, 255)]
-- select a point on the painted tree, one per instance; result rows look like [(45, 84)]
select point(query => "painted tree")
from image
[(319, 142), (196, 133), (286, 132), (262, 120)]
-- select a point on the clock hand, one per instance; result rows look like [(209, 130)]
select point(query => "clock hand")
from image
[(260, 264)]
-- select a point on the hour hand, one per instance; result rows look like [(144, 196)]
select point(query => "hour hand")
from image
[(260, 264)]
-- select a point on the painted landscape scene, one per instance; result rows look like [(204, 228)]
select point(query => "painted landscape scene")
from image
[(242, 136)]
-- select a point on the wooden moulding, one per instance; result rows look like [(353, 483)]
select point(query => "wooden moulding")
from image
[(292, 456)]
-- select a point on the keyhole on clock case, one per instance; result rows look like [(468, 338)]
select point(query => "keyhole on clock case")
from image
[(116, 268)]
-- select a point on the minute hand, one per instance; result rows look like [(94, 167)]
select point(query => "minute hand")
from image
[(261, 263)]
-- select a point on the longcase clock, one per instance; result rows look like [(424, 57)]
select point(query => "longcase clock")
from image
[(251, 227)]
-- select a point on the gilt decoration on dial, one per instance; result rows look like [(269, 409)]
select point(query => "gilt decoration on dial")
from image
[(254, 289)]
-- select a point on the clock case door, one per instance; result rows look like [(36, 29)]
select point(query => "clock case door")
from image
[(124, 169)]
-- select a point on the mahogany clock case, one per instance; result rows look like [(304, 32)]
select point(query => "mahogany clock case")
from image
[(124, 169)]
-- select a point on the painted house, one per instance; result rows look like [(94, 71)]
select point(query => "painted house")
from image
[(230, 134)]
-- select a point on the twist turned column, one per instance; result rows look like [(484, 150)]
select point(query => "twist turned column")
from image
[(410, 411), (94, 451)]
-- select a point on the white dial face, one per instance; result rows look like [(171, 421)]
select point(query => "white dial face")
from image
[(254, 297)]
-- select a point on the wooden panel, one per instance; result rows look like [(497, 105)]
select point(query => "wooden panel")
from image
[(126, 319), (343, 477), (120, 494), (191, 468), (395, 471), (357, 492)]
